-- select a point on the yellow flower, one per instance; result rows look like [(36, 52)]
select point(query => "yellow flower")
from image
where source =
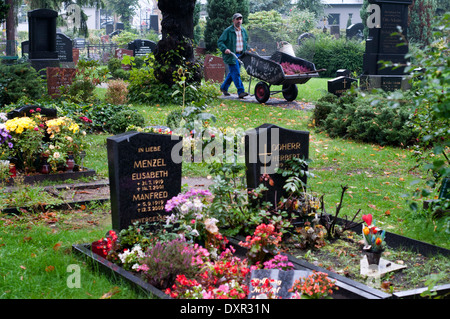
[(19, 124)]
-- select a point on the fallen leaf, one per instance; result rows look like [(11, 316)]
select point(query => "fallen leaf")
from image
[(57, 246), (111, 293), (387, 213), (23, 267), (49, 268)]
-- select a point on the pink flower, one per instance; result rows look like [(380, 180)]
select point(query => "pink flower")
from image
[(38, 109)]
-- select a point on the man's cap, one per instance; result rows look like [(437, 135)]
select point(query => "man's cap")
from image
[(237, 15)]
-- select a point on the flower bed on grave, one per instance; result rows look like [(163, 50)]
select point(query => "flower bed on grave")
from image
[(33, 148), (188, 257)]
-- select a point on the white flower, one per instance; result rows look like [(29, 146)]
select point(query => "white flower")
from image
[(56, 155), (210, 225), (198, 203), (195, 233), (184, 208)]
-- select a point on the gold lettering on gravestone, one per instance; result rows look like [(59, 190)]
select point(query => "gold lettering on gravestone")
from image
[(150, 193)]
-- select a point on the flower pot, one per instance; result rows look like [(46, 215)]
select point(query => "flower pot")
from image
[(373, 258), (70, 163)]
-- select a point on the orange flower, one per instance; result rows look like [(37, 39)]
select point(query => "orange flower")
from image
[(378, 241), (366, 231)]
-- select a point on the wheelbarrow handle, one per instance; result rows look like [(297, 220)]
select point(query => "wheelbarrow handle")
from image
[(240, 62)]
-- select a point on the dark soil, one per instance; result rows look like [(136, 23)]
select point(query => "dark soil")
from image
[(343, 257)]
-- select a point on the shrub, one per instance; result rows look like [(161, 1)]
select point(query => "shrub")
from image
[(333, 54), (117, 92), (362, 119), (19, 80), (114, 64), (121, 120)]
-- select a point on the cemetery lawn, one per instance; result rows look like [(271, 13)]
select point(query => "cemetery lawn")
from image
[(35, 249)]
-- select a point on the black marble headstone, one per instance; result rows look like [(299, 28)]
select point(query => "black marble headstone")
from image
[(141, 47), (28, 110), (267, 148), (64, 47), (281, 282), (339, 85), (381, 45), (355, 31), (144, 172), (42, 34)]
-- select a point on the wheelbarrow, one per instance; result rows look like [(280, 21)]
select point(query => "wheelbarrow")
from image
[(270, 71)]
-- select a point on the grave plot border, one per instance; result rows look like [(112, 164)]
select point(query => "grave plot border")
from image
[(112, 269), (67, 204), (33, 179), (348, 288)]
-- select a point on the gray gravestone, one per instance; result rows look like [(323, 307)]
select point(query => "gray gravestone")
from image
[(144, 172), (64, 47), (267, 148)]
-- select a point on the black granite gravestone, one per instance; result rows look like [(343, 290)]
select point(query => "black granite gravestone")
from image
[(64, 47), (142, 47), (144, 172), (281, 282), (339, 85), (355, 31), (42, 39), (28, 110), (267, 148), (381, 46)]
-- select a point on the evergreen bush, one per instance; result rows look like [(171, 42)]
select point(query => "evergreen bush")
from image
[(121, 120), (19, 80), (360, 119), (333, 54)]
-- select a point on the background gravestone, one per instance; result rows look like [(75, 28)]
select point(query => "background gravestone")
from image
[(64, 47), (355, 31), (142, 47), (214, 68), (264, 153), (382, 46), (57, 77), (42, 39), (340, 84), (142, 177), (119, 53), (282, 281)]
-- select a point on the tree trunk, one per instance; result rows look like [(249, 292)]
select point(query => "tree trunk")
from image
[(175, 48), (10, 30)]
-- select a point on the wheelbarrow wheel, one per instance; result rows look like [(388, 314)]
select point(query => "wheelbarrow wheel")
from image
[(262, 92), (290, 92)]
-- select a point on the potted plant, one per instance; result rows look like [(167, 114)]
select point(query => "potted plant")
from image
[(374, 243)]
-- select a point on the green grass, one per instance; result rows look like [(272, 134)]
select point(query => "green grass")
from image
[(35, 250)]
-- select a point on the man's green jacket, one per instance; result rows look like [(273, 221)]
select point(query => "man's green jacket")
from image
[(228, 41)]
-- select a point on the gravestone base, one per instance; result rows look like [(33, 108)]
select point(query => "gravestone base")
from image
[(385, 82), (41, 65)]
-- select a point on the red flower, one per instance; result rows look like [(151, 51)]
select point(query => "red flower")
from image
[(368, 219)]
